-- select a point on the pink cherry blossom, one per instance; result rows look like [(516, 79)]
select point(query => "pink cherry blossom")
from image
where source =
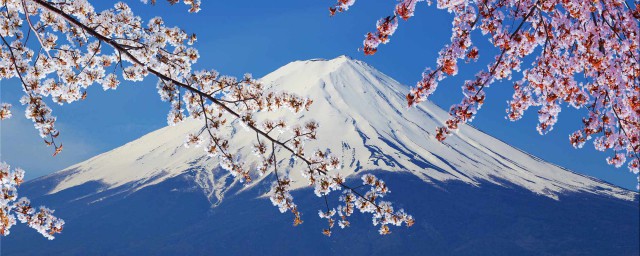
[(586, 56)]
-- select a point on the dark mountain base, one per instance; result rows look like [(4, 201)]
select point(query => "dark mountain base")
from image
[(174, 218)]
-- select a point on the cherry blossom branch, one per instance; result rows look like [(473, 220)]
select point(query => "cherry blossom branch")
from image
[(126, 52), (13, 209), (38, 113), (595, 41)]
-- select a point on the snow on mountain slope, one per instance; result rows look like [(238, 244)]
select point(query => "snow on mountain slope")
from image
[(362, 118)]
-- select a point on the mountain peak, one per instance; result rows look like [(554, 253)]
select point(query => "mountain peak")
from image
[(310, 77), (336, 59), (342, 61), (344, 58)]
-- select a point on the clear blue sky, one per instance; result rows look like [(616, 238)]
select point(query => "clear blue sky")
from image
[(236, 37)]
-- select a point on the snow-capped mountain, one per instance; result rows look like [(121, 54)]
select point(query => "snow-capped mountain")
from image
[(363, 119)]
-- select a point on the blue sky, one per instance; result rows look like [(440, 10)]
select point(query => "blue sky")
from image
[(236, 37)]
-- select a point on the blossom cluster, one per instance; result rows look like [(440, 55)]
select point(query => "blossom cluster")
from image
[(341, 6), (13, 209), (5, 111), (382, 212), (586, 55), (193, 4)]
